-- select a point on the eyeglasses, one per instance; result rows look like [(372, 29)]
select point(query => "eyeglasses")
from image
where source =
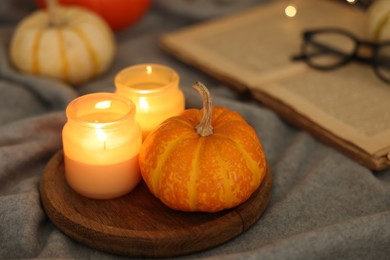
[(328, 49)]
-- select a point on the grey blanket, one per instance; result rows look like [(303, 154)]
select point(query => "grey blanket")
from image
[(323, 206)]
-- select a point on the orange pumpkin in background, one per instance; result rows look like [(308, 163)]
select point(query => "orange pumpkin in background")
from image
[(119, 14), (203, 160)]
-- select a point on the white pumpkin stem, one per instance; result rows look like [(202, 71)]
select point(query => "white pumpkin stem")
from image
[(204, 128), (54, 14)]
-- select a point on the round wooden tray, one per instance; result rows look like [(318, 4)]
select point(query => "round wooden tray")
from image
[(138, 224)]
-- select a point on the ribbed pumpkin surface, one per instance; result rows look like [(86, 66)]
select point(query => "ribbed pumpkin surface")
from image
[(80, 48), (190, 172)]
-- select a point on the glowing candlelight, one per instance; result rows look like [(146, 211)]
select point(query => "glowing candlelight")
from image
[(101, 142), (155, 91)]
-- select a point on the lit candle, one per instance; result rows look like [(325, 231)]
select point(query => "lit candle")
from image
[(101, 142), (155, 91)]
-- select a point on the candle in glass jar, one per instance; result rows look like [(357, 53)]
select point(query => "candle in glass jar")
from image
[(155, 91), (101, 142)]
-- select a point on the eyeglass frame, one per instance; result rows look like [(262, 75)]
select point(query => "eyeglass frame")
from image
[(354, 56)]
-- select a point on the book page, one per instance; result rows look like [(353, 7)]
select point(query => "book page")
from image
[(351, 102)]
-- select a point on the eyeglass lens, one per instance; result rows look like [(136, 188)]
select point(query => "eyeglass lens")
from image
[(382, 62), (327, 50)]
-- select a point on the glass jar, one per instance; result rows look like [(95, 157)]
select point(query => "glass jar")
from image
[(101, 142), (155, 91)]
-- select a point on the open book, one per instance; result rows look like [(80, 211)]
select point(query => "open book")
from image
[(348, 108)]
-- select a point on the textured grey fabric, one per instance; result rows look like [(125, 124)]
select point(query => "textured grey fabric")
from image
[(323, 206)]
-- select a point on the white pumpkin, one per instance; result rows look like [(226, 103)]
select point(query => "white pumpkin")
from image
[(379, 20), (70, 43)]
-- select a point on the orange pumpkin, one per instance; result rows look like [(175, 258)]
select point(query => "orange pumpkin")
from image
[(203, 160), (119, 14)]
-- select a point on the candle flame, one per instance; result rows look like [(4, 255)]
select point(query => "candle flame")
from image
[(143, 103), (290, 11), (102, 137), (149, 70), (103, 104)]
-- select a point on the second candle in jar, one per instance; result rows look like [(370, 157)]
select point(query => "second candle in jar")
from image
[(155, 91)]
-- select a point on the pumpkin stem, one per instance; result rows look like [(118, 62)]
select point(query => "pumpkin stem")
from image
[(204, 128), (54, 16)]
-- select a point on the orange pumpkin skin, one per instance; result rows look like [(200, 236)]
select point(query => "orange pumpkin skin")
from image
[(190, 172)]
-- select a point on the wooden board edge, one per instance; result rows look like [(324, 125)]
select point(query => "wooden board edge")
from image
[(235, 223), (250, 215)]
